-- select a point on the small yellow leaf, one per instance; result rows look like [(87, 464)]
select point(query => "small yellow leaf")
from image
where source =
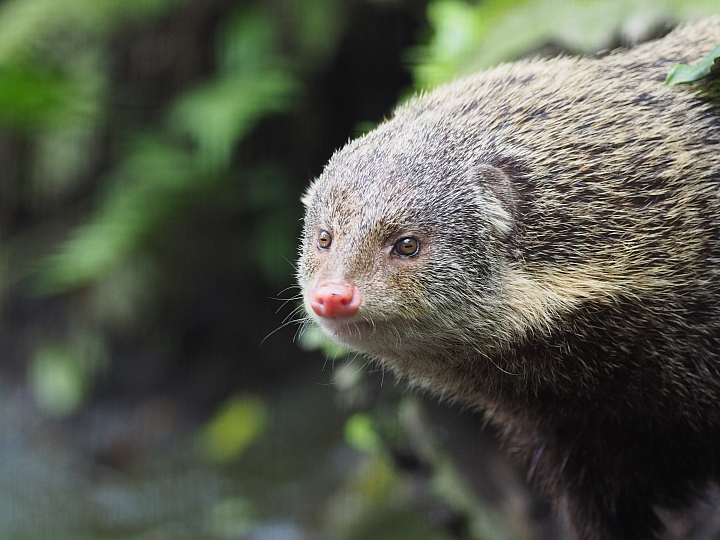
[(239, 422), (360, 433)]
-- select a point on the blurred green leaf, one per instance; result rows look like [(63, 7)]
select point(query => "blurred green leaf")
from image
[(239, 422), (158, 177), (360, 432), (251, 84), (231, 518), (449, 485), (312, 339), (24, 23), (35, 95), (454, 24), (684, 74), (128, 296), (153, 182), (377, 480), (29, 94), (60, 375), (220, 114), (248, 43), (318, 25), (469, 37), (57, 381), (60, 160)]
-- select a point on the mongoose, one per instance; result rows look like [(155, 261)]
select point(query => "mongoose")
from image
[(542, 241)]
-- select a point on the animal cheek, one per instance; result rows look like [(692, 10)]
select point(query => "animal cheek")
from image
[(404, 289), (308, 265)]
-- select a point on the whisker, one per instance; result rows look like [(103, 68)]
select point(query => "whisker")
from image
[(293, 313), (304, 324), (283, 325), (294, 297), (286, 301), (293, 286), (364, 365), (291, 263)]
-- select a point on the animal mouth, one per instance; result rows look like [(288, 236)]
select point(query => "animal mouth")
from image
[(351, 332)]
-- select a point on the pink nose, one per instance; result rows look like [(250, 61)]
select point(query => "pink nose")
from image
[(335, 300)]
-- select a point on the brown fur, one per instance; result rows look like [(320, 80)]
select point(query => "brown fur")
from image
[(568, 213)]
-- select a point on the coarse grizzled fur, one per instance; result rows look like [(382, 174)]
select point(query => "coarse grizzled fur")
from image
[(568, 276)]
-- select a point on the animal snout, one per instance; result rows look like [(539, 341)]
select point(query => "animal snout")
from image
[(335, 300)]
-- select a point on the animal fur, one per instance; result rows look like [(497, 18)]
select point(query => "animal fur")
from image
[(568, 276)]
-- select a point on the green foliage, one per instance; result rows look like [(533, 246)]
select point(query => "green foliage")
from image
[(106, 192), (469, 36), (239, 422), (220, 114), (119, 185), (251, 85), (149, 186), (60, 375), (57, 382), (25, 24), (162, 176), (457, 25), (684, 74), (313, 339), (31, 95), (231, 518), (318, 23), (48, 56), (360, 433)]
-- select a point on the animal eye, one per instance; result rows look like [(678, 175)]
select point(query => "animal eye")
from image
[(407, 247), (324, 240)]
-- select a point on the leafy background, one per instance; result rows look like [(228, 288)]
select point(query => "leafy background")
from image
[(152, 156)]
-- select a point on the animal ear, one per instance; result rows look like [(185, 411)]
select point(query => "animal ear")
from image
[(497, 197), (307, 197)]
